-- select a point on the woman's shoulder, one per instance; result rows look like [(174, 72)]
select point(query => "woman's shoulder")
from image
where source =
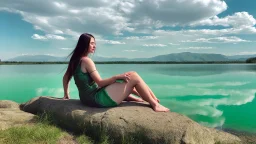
[(86, 60)]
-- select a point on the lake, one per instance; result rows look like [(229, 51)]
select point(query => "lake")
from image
[(214, 95)]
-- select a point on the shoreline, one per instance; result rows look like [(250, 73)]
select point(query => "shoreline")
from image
[(128, 62), (245, 136), (236, 131)]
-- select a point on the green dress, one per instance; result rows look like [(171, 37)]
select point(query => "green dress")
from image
[(89, 92)]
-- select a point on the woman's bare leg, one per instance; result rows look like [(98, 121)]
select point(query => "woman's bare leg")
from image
[(133, 98), (119, 91), (136, 98), (151, 93)]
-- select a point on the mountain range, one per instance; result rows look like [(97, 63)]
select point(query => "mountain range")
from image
[(177, 57)]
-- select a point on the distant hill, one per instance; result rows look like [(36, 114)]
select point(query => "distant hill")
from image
[(37, 58), (187, 56), (178, 57), (47, 58), (241, 57)]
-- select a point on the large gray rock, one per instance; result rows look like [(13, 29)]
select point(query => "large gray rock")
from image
[(11, 115), (129, 119)]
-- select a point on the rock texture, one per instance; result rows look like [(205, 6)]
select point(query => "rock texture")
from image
[(11, 115), (9, 104), (136, 119)]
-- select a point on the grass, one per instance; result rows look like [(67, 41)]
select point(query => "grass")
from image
[(82, 139), (39, 133), (42, 132)]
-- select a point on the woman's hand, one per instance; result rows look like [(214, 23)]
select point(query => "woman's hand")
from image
[(125, 77)]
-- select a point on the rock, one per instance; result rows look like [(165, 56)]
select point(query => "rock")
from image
[(11, 115), (246, 137), (9, 104), (130, 118)]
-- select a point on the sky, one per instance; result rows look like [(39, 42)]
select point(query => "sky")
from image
[(128, 28)]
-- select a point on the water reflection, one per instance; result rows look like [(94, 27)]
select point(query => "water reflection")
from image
[(203, 69), (212, 107)]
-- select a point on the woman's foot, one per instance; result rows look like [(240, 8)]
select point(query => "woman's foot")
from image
[(159, 108), (66, 98)]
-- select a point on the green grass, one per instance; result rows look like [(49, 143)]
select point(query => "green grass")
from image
[(42, 132), (38, 133), (82, 139)]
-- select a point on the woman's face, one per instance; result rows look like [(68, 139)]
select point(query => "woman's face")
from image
[(92, 46)]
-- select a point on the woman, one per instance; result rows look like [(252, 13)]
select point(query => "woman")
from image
[(97, 92)]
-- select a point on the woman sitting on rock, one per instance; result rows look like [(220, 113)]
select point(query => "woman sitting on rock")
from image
[(110, 92)]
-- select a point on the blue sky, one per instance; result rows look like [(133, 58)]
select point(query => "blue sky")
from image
[(128, 28)]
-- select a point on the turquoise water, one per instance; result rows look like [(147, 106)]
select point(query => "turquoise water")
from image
[(215, 95)]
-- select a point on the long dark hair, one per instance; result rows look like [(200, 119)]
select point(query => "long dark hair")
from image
[(81, 49)]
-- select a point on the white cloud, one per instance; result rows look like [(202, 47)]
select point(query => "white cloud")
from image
[(231, 39), (114, 42), (38, 37), (195, 48), (130, 50), (66, 48), (46, 37), (51, 36), (239, 19), (111, 42), (58, 32), (141, 38), (50, 54), (105, 17), (154, 45), (205, 32), (60, 5), (99, 17), (26, 54), (247, 53), (173, 44), (72, 33), (156, 13)]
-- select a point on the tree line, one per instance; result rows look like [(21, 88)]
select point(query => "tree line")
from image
[(251, 60)]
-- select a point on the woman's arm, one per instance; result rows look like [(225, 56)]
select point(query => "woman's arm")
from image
[(91, 69), (65, 86)]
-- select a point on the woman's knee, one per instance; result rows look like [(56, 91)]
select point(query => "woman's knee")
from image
[(133, 73), (134, 77)]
